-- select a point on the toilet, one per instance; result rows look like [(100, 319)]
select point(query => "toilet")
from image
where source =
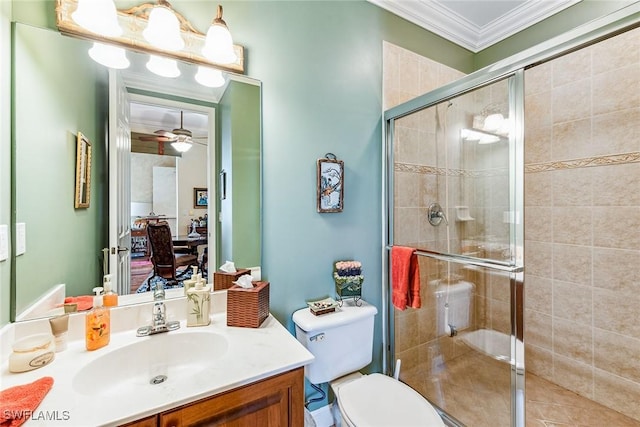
[(342, 343)]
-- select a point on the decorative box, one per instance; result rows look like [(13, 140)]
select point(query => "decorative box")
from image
[(248, 308), (324, 306), (222, 280)]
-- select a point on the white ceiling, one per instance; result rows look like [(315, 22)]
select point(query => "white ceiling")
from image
[(474, 24)]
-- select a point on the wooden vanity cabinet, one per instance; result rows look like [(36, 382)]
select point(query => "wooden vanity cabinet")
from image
[(277, 401), (151, 421)]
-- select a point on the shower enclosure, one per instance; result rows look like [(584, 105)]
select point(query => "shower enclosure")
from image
[(456, 173), (457, 170)]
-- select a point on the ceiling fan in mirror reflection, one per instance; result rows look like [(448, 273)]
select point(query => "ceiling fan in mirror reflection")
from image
[(181, 139)]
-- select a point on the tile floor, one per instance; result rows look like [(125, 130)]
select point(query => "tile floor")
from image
[(475, 390)]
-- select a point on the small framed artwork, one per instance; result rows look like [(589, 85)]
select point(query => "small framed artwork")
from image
[(200, 198), (83, 172), (330, 177)]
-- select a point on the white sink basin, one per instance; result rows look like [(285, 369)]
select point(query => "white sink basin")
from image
[(167, 358)]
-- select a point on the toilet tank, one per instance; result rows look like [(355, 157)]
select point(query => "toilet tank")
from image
[(459, 296), (342, 341)]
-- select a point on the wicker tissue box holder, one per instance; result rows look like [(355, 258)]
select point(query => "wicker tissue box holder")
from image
[(222, 280), (248, 307)]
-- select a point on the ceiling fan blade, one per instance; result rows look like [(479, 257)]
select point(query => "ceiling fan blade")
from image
[(165, 133), (156, 138)]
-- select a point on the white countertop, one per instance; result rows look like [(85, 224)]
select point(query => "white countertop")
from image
[(251, 355)]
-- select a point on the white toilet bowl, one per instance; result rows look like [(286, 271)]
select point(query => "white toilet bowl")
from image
[(377, 400)]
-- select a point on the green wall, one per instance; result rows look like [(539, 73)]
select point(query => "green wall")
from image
[(240, 158)]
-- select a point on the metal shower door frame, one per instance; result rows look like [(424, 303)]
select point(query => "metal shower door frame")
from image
[(515, 266)]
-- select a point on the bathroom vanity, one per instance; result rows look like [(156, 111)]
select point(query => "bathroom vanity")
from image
[(213, 374)]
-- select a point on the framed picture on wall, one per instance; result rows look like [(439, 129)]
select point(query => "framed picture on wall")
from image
[(83, 172), (330, 181), (200, 198)]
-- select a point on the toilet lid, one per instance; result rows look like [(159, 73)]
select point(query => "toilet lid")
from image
[(379, 400)]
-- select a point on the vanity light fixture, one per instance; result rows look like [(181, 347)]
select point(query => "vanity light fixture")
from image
[(135, 26), (162, 66), (98, 16), (209, 77), (218, 45), (163, 29)]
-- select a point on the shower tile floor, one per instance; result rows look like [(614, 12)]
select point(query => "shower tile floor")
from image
[(475, 389)]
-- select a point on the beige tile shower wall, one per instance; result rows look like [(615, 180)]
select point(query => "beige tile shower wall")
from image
[(582, 221)]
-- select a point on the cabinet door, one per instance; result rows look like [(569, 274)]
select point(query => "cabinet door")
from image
[(275, 402)]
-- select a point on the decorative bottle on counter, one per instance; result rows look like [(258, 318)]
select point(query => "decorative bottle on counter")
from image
[(97, 323), (198, 304)]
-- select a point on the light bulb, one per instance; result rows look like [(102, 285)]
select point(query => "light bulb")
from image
[(218, 46), (493, 122), (209, 77), (163, 29), (182, 145), (164, 67), (98, 16), (109, 56)]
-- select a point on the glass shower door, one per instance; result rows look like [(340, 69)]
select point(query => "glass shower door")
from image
[(454, 172)]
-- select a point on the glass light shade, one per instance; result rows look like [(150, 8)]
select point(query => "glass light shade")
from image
[(162, 66), (109, 56), (98, 16), (218, 46), (209, 77), (163, 29), (182, 144), (493, 122)]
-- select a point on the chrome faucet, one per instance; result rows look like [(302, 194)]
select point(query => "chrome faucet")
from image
[(159, 322)]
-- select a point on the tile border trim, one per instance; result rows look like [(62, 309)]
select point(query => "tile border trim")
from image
[(610, 160), (614, 159)]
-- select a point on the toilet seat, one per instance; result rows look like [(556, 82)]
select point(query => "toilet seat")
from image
[(378, 400)]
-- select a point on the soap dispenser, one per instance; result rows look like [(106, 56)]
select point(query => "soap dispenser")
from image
[(198, 303), (190, 283), (110, 297), (97, 323)]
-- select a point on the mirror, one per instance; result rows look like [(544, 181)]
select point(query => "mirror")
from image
[(60, 91)]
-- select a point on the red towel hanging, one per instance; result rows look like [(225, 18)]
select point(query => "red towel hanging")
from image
[(405, 278)]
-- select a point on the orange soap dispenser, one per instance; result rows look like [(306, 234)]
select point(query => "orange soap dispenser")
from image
[(97, 323)]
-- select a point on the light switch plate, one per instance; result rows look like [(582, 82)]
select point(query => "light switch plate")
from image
[(21, 238), (4, 242)]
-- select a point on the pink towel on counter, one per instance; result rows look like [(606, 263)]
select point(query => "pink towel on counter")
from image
[(18, 403), (85, 302), (405, 278)]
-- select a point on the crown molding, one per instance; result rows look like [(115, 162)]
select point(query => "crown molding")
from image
[(434, 16)]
